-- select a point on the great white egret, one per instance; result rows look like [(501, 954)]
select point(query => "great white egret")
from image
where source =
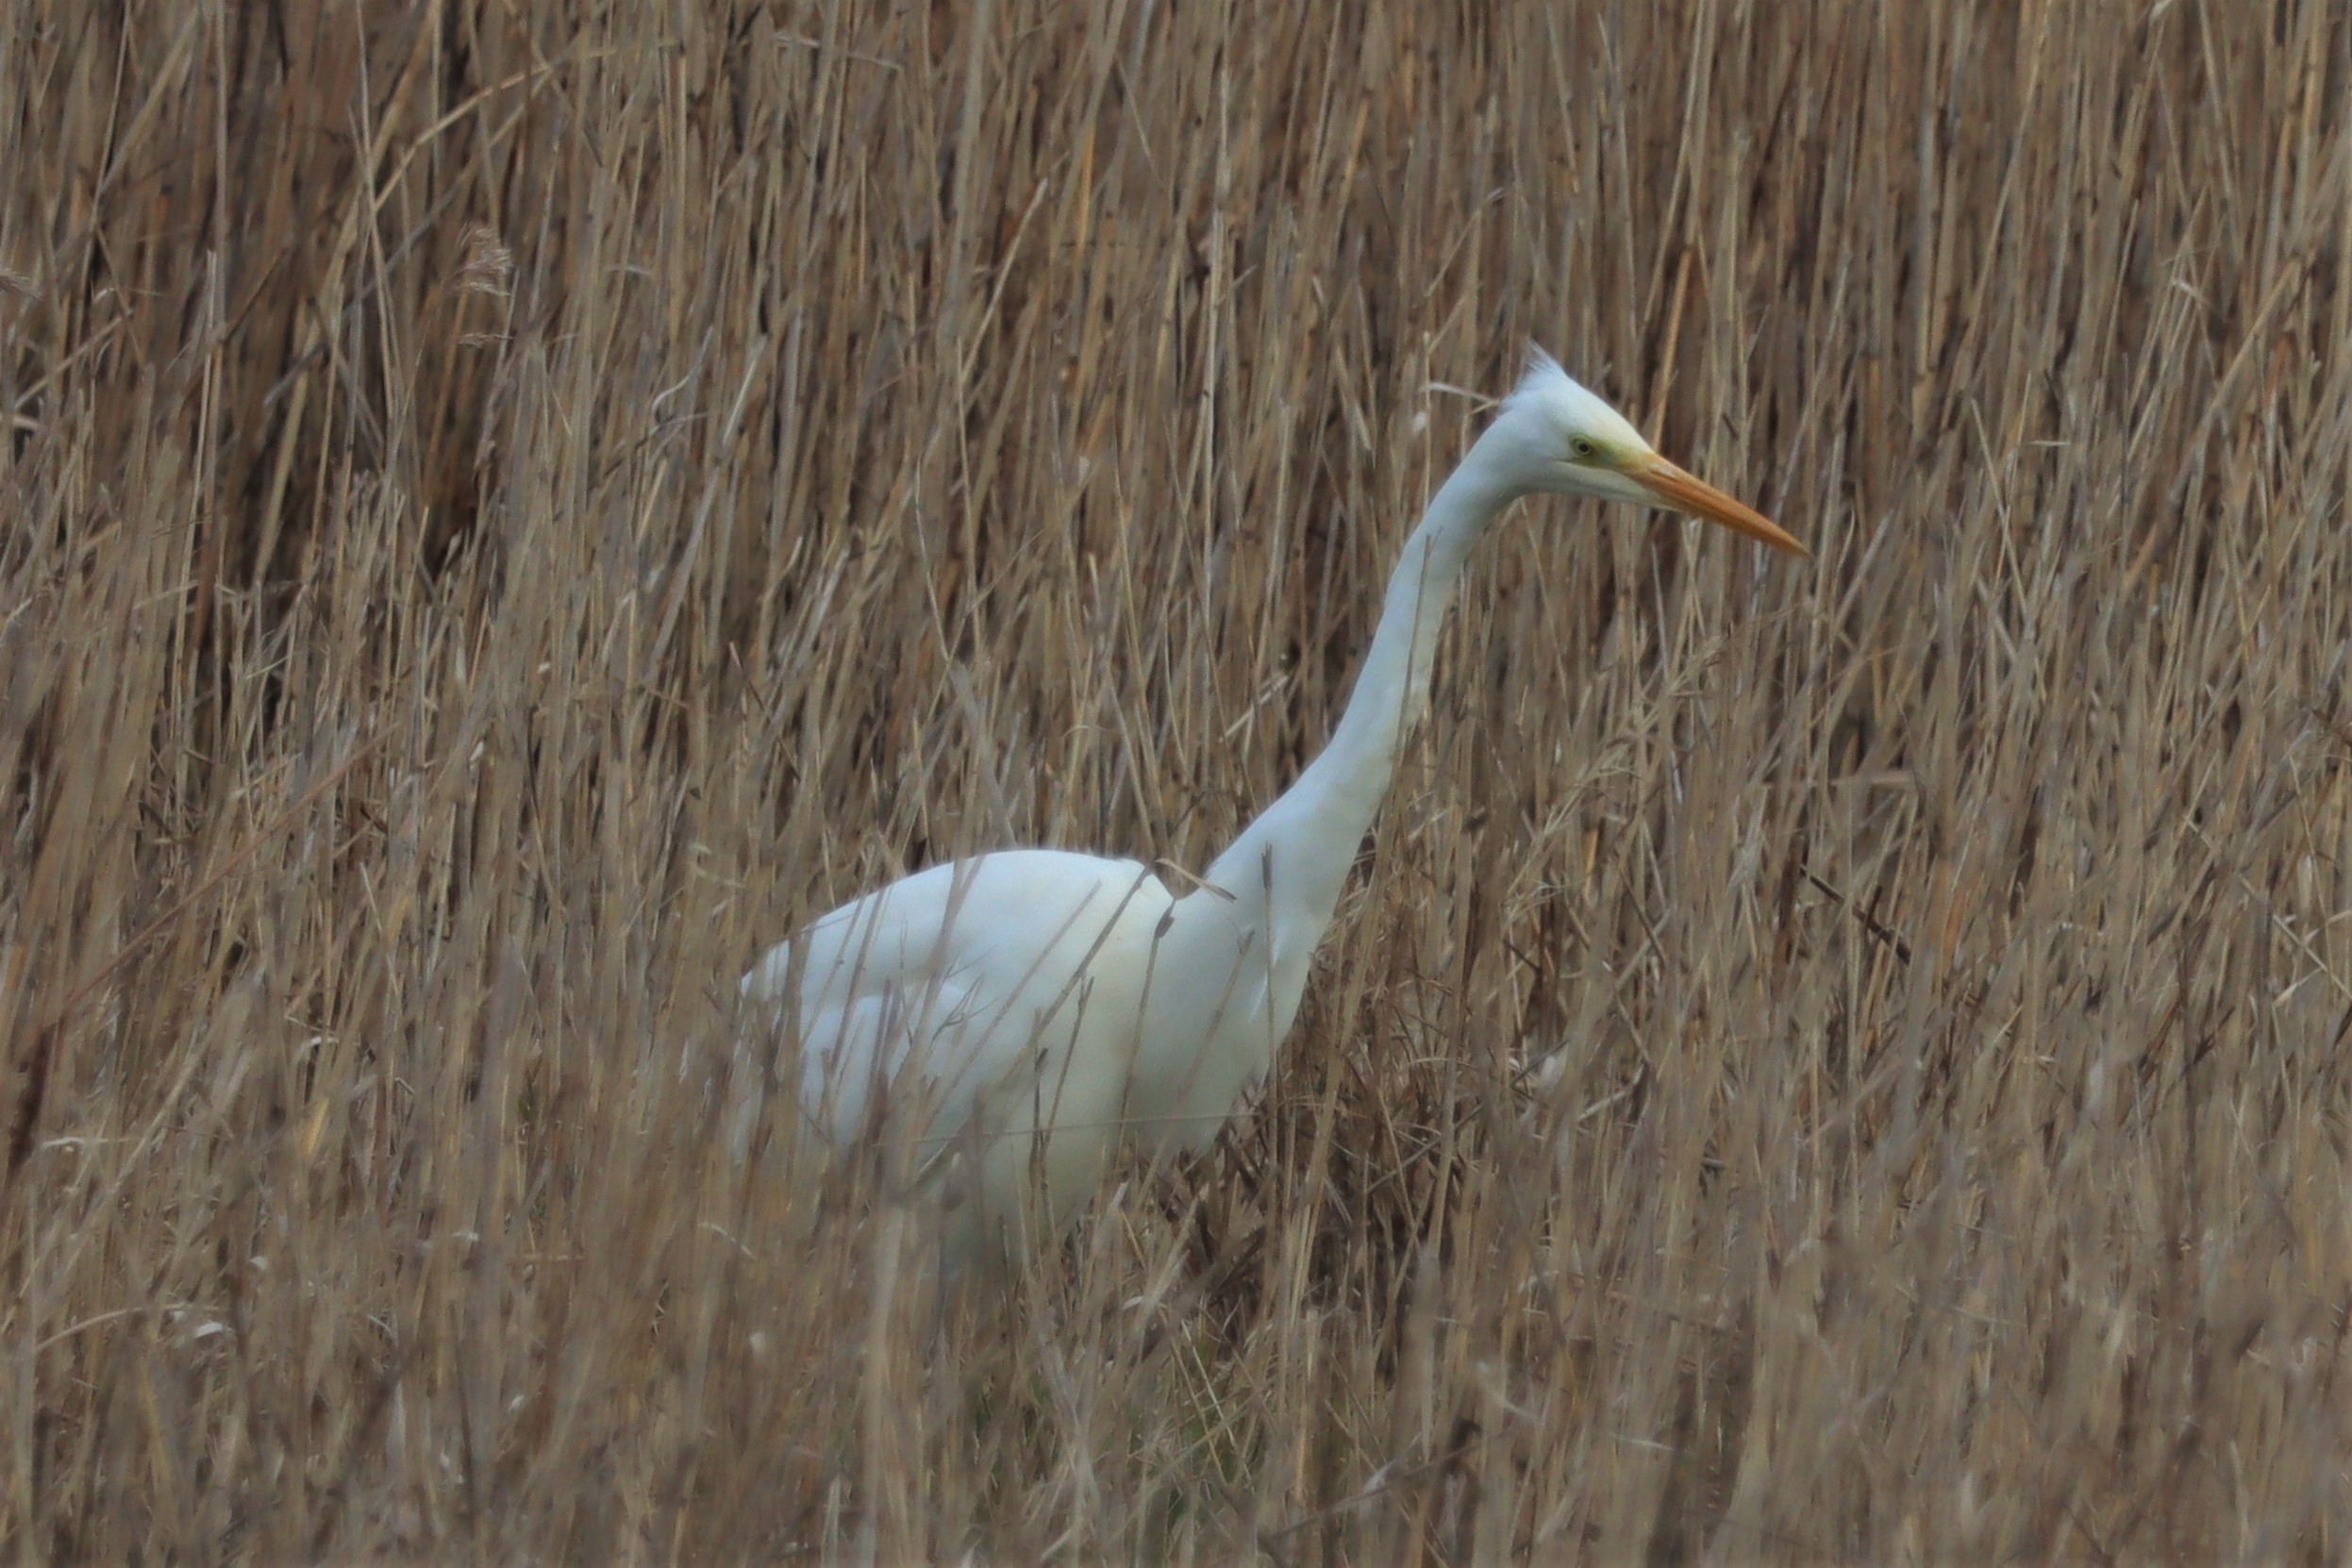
[(1013, 1017)]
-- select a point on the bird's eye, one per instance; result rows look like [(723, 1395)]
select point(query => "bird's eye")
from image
[(1582, 448)]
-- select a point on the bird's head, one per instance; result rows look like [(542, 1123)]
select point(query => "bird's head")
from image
[(1555, 437)]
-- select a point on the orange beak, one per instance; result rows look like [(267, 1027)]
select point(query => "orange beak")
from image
[(1687, 492)]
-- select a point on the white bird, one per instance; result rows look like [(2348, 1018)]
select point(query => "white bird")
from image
[(1013, 1017)]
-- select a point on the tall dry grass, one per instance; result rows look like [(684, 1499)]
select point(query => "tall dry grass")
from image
[(510, 509)]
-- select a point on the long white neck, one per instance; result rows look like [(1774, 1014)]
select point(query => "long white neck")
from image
[(1289, 865)]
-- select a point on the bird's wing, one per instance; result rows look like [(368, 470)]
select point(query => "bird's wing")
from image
[(955, 972)]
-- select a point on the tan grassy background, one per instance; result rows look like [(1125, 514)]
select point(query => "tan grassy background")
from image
[(510, 509)]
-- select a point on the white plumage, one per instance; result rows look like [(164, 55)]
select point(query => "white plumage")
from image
[(1017, 1015)]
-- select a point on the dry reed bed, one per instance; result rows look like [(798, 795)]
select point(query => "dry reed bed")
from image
[(510, 511)]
